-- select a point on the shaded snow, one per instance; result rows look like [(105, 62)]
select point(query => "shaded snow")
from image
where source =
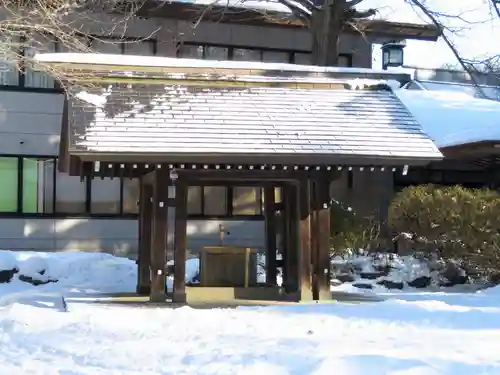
[(409, 334), (396, 337)]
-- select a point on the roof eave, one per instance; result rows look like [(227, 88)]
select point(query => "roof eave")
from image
[(256, 159)]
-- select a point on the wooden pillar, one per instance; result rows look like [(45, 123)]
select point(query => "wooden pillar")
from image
[(291, 219), (159, 236), (304, 259), (144, 256), (314, 204), (322, 258), (180, 243), (270, 217)]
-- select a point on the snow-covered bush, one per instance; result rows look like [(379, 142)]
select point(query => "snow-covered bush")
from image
[(461, 224)]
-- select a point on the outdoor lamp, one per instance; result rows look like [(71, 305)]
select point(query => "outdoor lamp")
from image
[(392, 54)]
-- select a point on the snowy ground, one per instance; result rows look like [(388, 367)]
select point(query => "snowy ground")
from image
[(409, 334)]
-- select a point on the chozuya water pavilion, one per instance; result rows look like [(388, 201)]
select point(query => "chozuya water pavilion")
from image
[(175, 123)]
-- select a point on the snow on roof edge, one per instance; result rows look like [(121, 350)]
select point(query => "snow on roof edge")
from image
[(165, 62)]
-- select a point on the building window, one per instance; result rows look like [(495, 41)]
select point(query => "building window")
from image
[(222, 201), (33, 186), (302, 58), (105, 196), (247, 201), (130, 195), (8, 184), (195, 200), (211, 52), (32, 77), (215, 201), (216, 53), (38, 185), (123, 46), (242, 54), (71, 194), (9, 72), (345, 60), (275, 57), (190, 51), (22, 73)]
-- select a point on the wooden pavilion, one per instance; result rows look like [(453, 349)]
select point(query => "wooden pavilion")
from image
[(175, 123)]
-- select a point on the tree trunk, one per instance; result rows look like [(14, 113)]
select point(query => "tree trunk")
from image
[(326, 27)]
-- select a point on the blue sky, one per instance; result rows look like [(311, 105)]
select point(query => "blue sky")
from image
[(475, 39)]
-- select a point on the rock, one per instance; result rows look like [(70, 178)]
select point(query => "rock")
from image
[(371, 275), (7, 275), (341, 268), (36, 281), (35, 271), (391, 284), (420, 282), (494, 279), (454, 275), (363, 286), (345, 278), (384, 269), (335, 282)]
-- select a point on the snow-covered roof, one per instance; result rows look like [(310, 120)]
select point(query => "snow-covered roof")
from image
[(131, 61), (490, 92), (453, 118)]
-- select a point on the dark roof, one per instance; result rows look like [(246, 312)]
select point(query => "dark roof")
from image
[(240, 15), (244, 124)]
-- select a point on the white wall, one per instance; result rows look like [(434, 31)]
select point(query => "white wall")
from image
[(30, 123), (116, 236)]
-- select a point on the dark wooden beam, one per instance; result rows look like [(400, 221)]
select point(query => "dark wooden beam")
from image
[(314, 233), (322, 256), (159, 237), (292, 238), (304, 258), (270, 220), (144, 257), (180, 241)]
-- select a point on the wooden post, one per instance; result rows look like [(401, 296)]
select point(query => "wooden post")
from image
[(323, 242), (314, 239), (159, 237), (291, 231), (180, 241), (144, 256), (270, 218), (304, 259)]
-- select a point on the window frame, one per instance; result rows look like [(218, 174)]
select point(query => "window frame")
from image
[(21, 80), (124, 40), (122, 214), (228, 203), (291, 52)]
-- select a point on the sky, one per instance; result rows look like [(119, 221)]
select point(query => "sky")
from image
[(473, 38)]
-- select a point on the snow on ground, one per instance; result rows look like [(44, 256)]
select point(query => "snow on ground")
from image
[(409, 334)]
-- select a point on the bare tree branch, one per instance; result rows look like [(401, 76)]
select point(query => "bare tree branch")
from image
[(29, 26), (432, 17)]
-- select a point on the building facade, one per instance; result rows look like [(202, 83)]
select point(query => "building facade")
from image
[(45, 210)]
